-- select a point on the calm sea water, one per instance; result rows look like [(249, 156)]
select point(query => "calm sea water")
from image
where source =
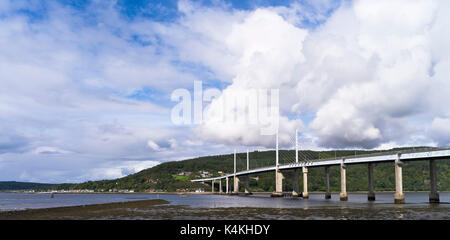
[(18, 201)]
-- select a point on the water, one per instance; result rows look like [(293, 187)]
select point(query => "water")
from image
[(19, 201)]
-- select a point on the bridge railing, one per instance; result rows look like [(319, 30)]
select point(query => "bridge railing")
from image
[(383, 152)]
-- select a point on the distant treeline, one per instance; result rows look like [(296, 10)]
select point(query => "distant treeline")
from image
[(11, 186), (176, 176)]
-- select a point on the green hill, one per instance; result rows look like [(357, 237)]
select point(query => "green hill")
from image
[(11, 186), (176, 176)]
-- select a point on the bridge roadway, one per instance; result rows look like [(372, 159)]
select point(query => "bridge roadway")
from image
[(430, 154)]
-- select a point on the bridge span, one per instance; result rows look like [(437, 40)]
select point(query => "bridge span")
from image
[(281, 172)]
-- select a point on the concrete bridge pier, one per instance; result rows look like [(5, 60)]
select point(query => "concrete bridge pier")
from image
[(295, 188), (305, 183), (220, 186), (212, 186), (327, 183), (343, 195), (371, 194), (236, 186), (227, 190), (399, 197), (294, 177), (434, 195), (246, 181), (278, 184)]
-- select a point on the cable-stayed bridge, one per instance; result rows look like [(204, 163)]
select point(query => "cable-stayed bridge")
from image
[(305, 160)]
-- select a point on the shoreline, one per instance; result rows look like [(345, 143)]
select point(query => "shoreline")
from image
[(159, 209), (73, 211), (207, 193)]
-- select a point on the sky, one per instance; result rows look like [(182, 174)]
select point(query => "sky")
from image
[(86, 86)]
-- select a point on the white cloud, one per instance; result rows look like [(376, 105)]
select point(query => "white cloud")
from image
[(50, 150), (118, 170), (370, 73), (440, 130), (64, 87), (267, 51), (153, 145), (308, 12), (374, 74), (369, 69)]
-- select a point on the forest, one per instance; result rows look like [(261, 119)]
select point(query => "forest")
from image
[(175, 176)]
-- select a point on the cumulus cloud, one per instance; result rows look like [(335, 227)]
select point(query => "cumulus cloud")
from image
[(440, 130), (371, 74), (374, 72), (267, 50)]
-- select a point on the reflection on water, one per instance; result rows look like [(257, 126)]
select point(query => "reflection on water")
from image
[(355, 200), (15, 201)]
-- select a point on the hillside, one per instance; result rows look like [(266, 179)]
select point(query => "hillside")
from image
[(176, 176), (11, 186)]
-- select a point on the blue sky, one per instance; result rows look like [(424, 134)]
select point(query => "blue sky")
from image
[(86, 86)]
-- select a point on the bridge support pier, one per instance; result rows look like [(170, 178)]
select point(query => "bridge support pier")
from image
[(305, 183), (434, 195), (220, 186), (343, 195), (236, 185), (212, 186), (327, 183), (399, 197), (278, 184), (227, 190), (246, 181), (295, 188), (371, 194)]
